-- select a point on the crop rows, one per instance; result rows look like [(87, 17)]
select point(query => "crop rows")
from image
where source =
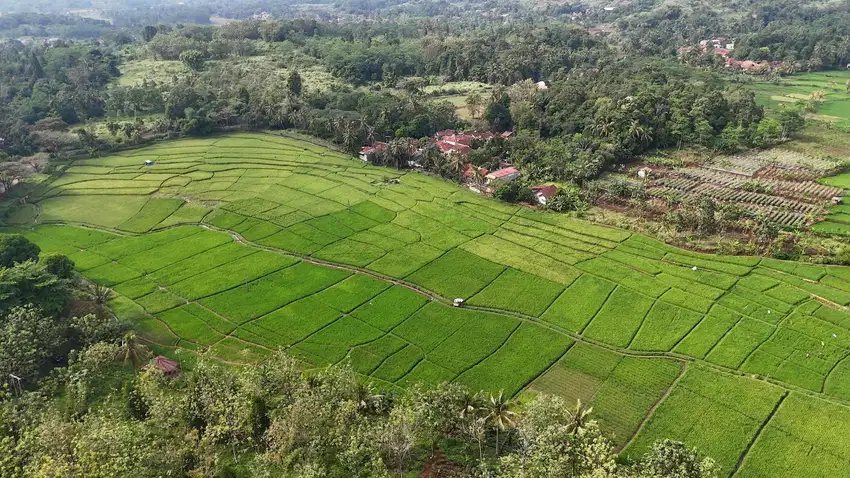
[(530, 281), (749, 163), (804, 190), (738, 196)]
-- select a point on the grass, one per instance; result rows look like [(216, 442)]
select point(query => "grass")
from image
[(164, 255), (105, 211), (426, 374), (390, 308), (263, 295), (399, 364), (708, 332), (431, 325), (234, 350), (345, 296), (210, 259), (479, 335), (665, 325), (620, 389), (366, 358), (190, 327), (298, 320), (739, 343), (799, 439), (231, 274)]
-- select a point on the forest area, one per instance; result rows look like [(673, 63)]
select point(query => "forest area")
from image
[(626, 112)]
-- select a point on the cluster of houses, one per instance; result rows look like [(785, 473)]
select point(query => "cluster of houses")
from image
[(723, 47), (478, 179), (447, 141)]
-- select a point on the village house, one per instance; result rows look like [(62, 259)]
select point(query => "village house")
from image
[(716, 47), (543, 193), (171, 368), (448, 141), (505, 174), (366, 151)]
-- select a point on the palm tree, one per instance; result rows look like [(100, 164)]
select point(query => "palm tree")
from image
[(456, 163), (369, 129), (100, 294), (499, 414), (296, 118), (579, 415), (604, 128), (349, 137), (473, 103), (639, 132), (470, 404), (132, 350), (398, 152), (367, 399)]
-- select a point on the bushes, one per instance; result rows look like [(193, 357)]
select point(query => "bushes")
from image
[(513, 191), (15, 248)]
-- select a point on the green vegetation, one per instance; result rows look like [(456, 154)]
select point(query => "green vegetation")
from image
[(316, 284)]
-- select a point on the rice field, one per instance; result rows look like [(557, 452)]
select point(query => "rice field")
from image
[(834, 107), (235, 246)]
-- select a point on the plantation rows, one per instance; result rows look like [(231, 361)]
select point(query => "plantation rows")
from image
[(787, 173), (759, 199), (779, 215), (749, 163), (801, 190), (352, 262)]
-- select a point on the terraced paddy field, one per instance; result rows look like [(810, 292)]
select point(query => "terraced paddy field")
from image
[(833, 107), (237, 245)]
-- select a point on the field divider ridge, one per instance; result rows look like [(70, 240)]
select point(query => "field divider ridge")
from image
[(654, 406), (758, 432)]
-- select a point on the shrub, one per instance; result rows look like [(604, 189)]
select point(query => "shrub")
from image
[(513, 191), (15, 249), (568, 199), (59, 265)]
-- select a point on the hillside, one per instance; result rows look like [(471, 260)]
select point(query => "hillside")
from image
[(237, 245)]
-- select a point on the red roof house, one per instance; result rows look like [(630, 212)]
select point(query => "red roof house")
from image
[(544, 192), (504, 174), (367, 150), (169, 367)]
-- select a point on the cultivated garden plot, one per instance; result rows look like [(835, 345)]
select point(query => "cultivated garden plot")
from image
[(238, 245), (780, 182)]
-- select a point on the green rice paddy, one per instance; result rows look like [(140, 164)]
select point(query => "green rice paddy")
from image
[(834, 107), (238, 245)]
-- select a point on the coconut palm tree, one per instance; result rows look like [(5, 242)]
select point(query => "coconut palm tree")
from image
[(579, 415), (499, 414), (604, 127), (132, 350), (473, 103), (639, 132), (100, 294)]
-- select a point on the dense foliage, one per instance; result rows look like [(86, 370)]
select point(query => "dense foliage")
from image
[(274, 420)]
